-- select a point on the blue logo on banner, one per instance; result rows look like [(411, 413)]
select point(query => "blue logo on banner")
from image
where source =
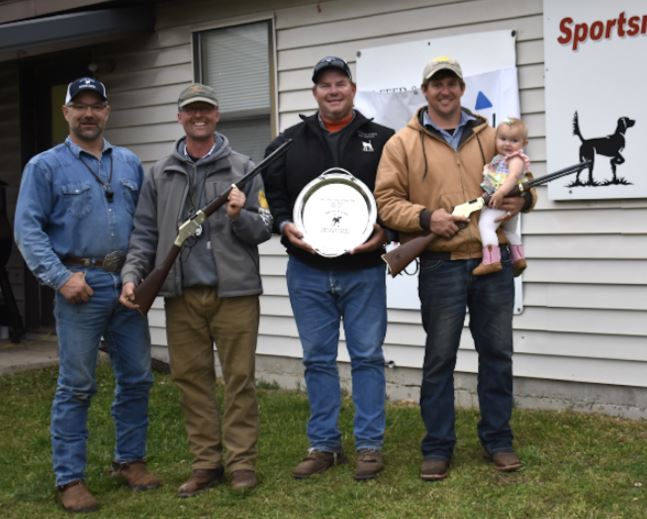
[(482, 102)]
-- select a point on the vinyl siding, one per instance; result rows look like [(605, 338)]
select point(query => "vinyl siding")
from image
[(585, 290)]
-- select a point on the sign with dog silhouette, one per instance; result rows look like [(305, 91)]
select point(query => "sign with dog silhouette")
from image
[(593, 109)]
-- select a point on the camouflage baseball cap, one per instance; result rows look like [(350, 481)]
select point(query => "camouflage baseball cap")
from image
[(197, 93)]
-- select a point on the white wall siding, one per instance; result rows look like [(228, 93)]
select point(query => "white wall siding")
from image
[(585, 290)]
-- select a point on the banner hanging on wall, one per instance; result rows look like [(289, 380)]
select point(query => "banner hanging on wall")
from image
[(388, 89), (594, 97)]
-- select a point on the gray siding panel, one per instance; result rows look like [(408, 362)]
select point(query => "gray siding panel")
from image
[(585, 288)]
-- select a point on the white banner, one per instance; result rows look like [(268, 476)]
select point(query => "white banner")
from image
[(594, 97), (388, 83), (494, 95)]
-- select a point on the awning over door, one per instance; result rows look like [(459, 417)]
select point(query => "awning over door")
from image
[(35, 36)]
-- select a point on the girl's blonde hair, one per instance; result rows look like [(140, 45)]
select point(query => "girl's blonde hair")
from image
[(514, 122)]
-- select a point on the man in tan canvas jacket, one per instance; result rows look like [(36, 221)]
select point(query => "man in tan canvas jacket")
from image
[(431, 165)]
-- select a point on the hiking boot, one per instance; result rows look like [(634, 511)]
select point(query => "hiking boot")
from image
[(135, 475), (434, 469), (75, 497), (317, 462), (504, 461), (201, 479), (369, 463), (242, 480)]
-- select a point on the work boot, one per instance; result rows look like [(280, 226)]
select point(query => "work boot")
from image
[(491, 261), (243, 480), (317, 462), (75, 497), (201, 479), (504, 461), (434, 469), (518, 260), (135, 475), (369, 463)]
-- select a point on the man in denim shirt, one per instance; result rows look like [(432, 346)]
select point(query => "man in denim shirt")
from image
[(73, 220)]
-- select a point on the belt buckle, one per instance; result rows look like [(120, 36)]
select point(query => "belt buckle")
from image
[(113, 261)]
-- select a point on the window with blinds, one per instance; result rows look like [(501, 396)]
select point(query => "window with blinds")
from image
[(235, 61)]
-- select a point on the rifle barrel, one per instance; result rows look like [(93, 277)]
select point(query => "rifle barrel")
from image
[(220, 200), (556, 174)]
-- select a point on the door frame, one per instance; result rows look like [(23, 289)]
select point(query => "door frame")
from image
[(37, 77)]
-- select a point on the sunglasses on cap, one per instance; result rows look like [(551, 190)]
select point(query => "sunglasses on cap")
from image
[(331, 62)]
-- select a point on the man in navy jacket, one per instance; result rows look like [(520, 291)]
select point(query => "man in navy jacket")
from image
[(324, 291)]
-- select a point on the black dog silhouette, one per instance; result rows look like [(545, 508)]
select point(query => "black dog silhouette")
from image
[(609, 146)]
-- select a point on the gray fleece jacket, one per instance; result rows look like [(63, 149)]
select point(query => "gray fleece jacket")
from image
[(161, 210)]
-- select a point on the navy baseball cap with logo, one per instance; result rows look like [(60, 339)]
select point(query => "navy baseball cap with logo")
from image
[(85, 83), (331, 62)]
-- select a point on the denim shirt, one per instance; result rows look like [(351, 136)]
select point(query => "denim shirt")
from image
[(62, 209), (453, 139)]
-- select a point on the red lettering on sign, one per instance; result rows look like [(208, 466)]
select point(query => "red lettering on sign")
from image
[(576, 34)]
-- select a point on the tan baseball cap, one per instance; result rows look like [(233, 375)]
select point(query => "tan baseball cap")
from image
[(441, 63)]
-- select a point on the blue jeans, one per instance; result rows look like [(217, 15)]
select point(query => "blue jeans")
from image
[(79, 328), (446, 289), (320, 300)]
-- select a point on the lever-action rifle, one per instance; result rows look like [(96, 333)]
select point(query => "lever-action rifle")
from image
[(399, 257), (146, 291)]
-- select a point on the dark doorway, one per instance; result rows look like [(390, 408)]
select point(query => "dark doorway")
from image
[(43, 83)]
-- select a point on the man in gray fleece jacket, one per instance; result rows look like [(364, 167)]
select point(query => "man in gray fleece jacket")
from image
[(211, 293)]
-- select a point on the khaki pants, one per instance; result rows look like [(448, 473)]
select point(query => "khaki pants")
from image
[(194, 321)]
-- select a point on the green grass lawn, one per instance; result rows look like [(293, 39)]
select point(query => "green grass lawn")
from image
[(576, 465)]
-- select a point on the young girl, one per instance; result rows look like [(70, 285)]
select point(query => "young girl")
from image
[(499, 177)]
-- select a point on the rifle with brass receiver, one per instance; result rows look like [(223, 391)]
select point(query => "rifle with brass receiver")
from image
[(147, 290), (399, 257)]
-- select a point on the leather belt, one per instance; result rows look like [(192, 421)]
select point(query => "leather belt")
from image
[(111, 262), (429, 255)]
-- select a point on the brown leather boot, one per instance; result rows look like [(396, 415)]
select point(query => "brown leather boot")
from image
[(75, 497), (243, 480), (317, 462), (434, 469), (491, 261), (369, 463), (504, 461), (135, 475), (201, 479)]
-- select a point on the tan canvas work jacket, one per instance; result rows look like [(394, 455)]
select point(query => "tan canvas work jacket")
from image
[(419, 170)]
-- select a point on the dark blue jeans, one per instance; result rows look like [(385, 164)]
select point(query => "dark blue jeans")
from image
[(446, 289)]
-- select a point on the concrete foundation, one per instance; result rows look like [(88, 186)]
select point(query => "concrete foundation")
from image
[(403, 384)]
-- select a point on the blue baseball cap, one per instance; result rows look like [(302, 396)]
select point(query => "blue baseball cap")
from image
[(85, 83)]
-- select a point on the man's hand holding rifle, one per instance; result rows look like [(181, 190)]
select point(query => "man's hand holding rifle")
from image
[(141, 297)]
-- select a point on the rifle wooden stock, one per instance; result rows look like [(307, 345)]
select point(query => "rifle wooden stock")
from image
[(147, 290), (399, 257)]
